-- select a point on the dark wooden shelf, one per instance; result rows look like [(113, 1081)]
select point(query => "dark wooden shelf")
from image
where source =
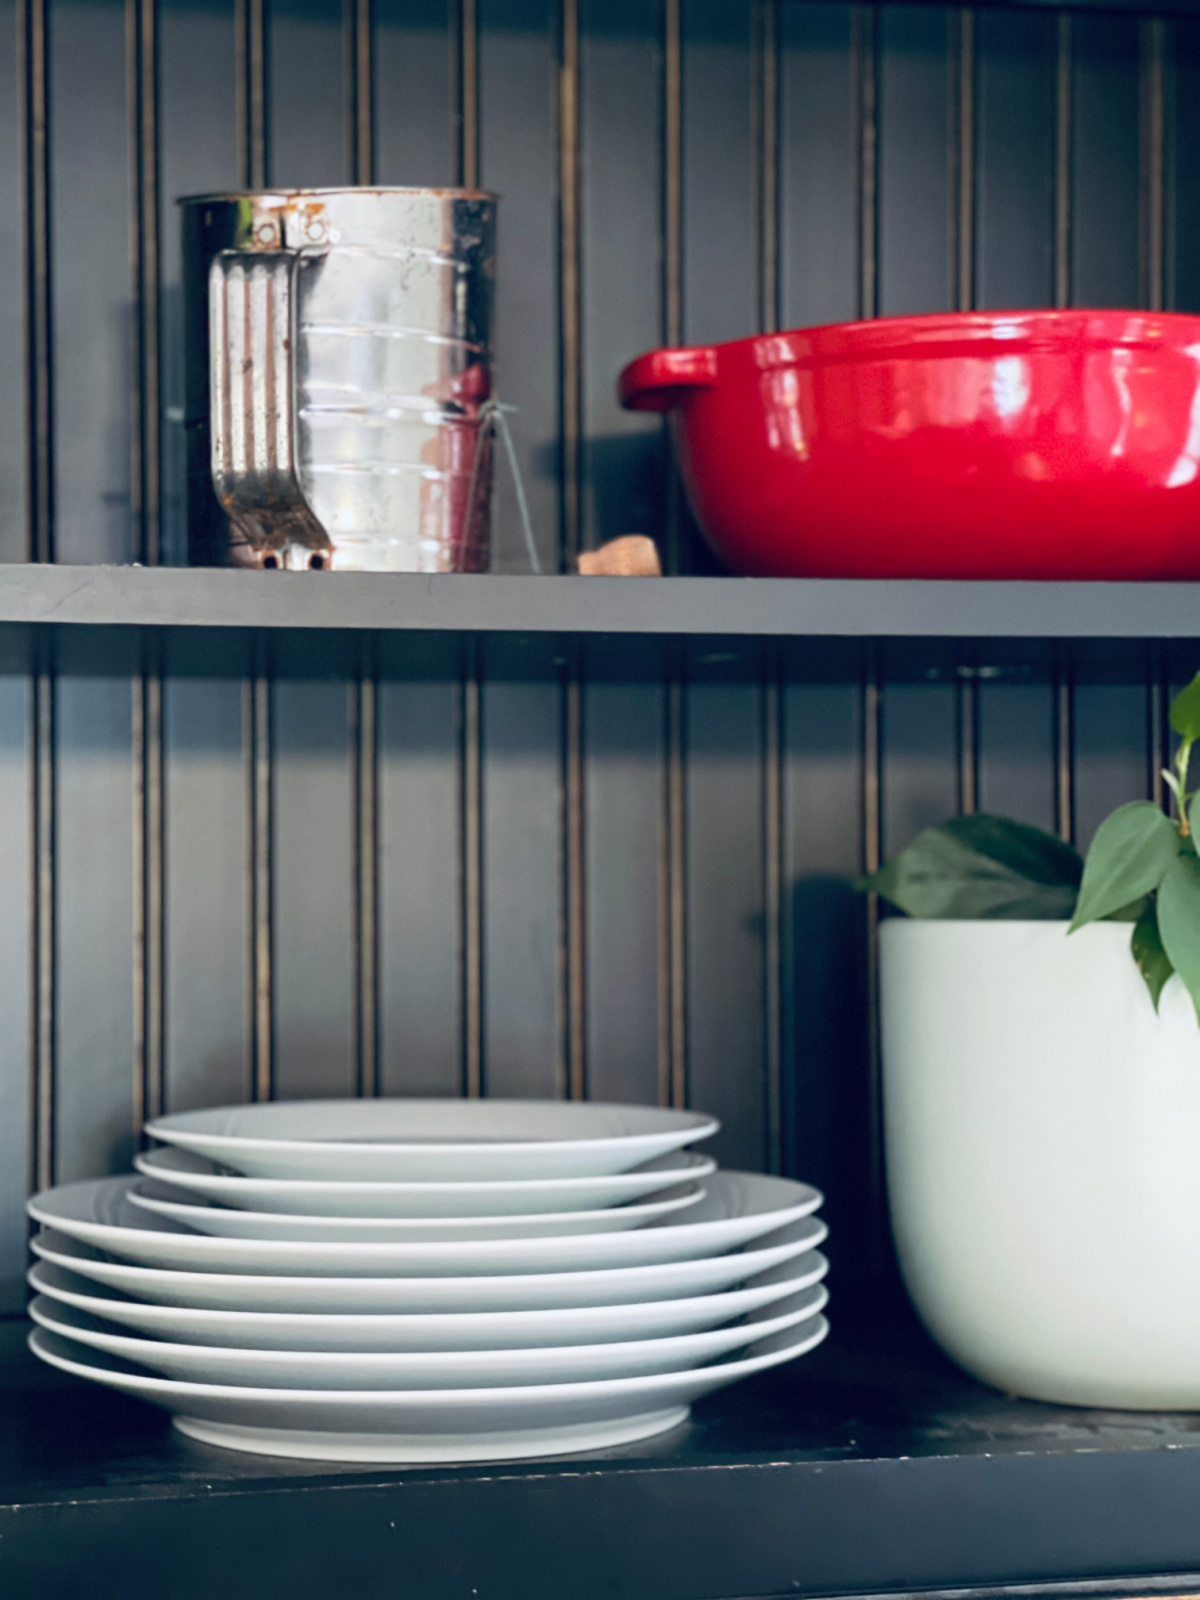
[(137, 597), (852, 1471), (1146, 7)]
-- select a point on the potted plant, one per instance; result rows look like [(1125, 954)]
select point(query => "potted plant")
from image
[(1041, 1067)]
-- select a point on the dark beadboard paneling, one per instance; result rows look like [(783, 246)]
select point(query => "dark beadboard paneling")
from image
[(197, 155), (1016, 735), (726, 976), (207, 1059), (420, 868), (413, 134), (817, 187), (1015, 144), (1110, 734), (12, 339), (824, 1112), (312, 895), (919, 766), (539, 867), (94, 1090), (622, 246), (719, 223), (91, 297), (915, 171), (1183, 194), (518, 161), (1105, 150), (522, 885), (15, 982), (305, 73), (624, 729)]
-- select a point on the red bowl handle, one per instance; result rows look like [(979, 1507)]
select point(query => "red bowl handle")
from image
[(656, 381)]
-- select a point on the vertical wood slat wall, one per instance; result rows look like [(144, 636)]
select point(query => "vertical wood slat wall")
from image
[(529, 866)]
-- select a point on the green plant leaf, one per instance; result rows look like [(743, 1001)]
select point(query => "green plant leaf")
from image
[(1133, 912), (1146, 947), (982, 866), (1179, 921), (1185, 710), (1193, 816), (1129, 856)]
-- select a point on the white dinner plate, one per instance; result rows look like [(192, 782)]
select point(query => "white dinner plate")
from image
[(464, 1330), (430, 1425), (245, 1291), (432, 1140), (738, 1207), (227, 1222), (427, 1369), (313, 1198)]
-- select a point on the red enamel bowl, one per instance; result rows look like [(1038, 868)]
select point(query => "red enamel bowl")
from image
[(1015, 444)]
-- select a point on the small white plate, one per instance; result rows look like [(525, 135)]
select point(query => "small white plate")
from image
[(464, 1330), (432, 1140), (245, 1291), (739, 1207), (227, 1222), (427, 1369), (312, 1198), (431, 1425)]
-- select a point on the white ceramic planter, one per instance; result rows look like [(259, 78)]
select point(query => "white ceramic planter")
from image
[(1043, 1153)]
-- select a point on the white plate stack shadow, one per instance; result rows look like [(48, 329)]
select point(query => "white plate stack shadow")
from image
[(405, 1281)]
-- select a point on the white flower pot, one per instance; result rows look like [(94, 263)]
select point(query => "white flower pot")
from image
[(1043, 1158)]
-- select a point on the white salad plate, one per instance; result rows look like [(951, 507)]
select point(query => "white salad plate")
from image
[(426, 1369), (430, 1425), (738, 1208), (513, 1197), (432, 1140), (249, 1291), (465, 1330), (227, 1222)]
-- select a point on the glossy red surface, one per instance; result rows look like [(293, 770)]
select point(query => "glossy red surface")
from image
[(1021, 444)]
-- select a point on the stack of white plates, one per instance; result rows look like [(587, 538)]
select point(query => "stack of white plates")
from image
[(426, 1280)]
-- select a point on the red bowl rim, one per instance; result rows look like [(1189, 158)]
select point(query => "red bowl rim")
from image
[(970, 333)]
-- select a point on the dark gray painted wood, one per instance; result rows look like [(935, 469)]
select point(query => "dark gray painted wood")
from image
[(307, 145), (312, 880), (1016, 100), (622, 245), (720, 272), (1183, 240), (412, 92), (90, 190), (518, 160), (914, 167), (206, 902), (919, 745), (522, 724), (302, 604), (824, 1100), (719, 258), (1106, 168), (726, 979), (15, 976), (197, 155), (817, 221), (1110, 733), (1016, 735), (12, 372), (624, 710), (420, 887), (94, 1100), (823, 1089)]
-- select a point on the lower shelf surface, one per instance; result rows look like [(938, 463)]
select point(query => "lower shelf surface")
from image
[(858, 1470)]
